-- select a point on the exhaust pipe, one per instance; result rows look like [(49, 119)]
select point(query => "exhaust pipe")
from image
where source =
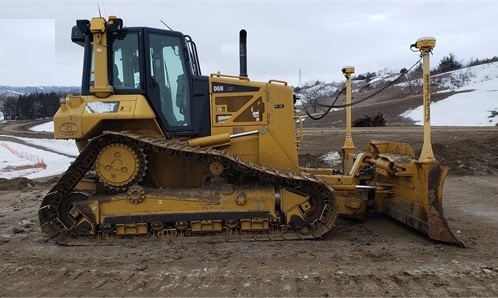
[(243, 52)]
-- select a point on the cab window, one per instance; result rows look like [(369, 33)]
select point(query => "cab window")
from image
[(125, 70), (167, 67)]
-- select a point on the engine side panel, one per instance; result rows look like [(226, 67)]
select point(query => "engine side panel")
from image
[(239, 105)]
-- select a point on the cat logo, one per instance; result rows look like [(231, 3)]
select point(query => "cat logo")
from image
[(68, 128)]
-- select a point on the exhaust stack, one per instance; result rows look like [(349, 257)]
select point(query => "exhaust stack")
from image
[(243, 52)]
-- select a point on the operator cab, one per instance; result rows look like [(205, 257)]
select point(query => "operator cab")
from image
[(162, 65)]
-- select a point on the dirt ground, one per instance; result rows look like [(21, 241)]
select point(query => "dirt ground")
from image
[(374, 257)]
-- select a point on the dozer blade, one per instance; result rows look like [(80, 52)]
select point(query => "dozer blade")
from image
[(437, 224), (418, 203)]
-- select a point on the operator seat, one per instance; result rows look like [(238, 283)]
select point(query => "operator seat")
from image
[(116, 81)]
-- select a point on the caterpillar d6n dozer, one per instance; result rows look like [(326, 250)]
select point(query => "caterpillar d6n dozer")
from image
[(168, 152)]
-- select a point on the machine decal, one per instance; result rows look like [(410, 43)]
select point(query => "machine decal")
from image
[(220, 87)]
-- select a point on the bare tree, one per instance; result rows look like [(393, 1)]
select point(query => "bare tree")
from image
[(314, 96)]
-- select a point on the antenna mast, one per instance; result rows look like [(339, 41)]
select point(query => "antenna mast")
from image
[(166, 25)]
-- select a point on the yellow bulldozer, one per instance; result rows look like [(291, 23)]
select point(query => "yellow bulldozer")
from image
[(166, 151)]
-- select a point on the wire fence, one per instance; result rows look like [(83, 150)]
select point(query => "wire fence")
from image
[(38, 162)]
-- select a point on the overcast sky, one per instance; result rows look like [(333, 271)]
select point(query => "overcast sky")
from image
[(284, 37)]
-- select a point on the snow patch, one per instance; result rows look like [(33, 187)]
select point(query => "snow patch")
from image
[(332, 158), (45, 127)]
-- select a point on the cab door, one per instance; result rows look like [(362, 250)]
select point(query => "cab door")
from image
[(168, 81)]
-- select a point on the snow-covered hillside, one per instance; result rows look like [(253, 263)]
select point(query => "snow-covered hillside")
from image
[(476, 105), (16, 91)]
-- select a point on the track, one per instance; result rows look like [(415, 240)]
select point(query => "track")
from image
[(53, 211)]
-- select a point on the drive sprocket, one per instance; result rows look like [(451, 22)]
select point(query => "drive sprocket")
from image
[(120, 165)]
